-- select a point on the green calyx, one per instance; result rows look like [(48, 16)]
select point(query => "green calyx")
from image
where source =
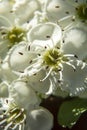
[(82, 11), (16, 35)]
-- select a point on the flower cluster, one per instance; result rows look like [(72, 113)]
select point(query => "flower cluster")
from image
[(43, 51)]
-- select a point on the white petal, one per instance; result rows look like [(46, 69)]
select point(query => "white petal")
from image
[(25, 11), (6, 72), (74, 81), (40, 86), (75, 42), (57, 9), (45, 32), (19, 57), (22, 93), (40, 119)]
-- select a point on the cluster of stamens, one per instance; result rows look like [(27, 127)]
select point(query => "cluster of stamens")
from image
[(13, 117), (52, 60), (14, 35)]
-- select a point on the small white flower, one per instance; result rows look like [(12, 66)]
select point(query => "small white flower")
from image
[(15, 117), (11, 33), (68, 13), (58, 59), (11, 115), (21, 52), (14, 24)]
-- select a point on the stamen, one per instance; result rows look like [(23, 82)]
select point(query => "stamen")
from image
[(68, 63), (7, 126), (47, 75), (83, 65), (28, 48), (61, 76), (70, 55), (14, 127), (64, 18), (3, 121), (20, 53)]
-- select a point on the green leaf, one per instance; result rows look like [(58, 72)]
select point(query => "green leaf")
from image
[(70, 111)]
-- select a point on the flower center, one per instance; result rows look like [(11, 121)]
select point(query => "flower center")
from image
[(16, 35), (53, 58), (14, 116), (82, 11)]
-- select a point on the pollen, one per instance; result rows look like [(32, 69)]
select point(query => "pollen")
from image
[(13, 117), (16, 35), (53, 58)]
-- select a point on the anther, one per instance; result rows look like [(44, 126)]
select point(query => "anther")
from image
[(47, 36), (47, 67), (39, 54), (63, 41), (58, 47), (45, 47), (3, 33), (57, 6), (6, 101), (75, 56), (34, 74), (28, 48), (11, 11), (20, 53), (21, 71), (67, 12), (30, 61), (76, 1), (74, 70), (59, 81)]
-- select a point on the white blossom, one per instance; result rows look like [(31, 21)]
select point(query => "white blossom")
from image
[(67, 13), (15, 117)]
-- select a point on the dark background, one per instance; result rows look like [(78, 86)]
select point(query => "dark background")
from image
[(53, 103)]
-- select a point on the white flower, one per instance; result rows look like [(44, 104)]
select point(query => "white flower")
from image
[(11, 33), (16, 117), (11, 115), (67, 12), (14, 22), (58, 59), (21, 52)]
